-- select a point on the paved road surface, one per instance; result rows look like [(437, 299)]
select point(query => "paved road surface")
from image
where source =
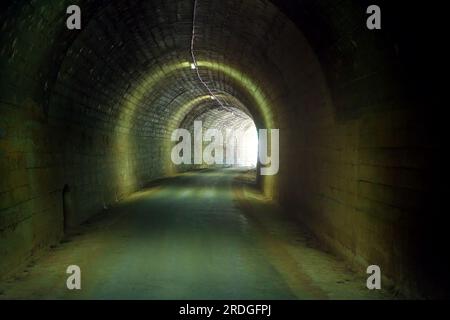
[(195, 236)]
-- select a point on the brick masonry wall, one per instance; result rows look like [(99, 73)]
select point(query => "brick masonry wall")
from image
[(369, 164)]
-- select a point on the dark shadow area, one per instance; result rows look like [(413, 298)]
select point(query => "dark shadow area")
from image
[(67, 207)]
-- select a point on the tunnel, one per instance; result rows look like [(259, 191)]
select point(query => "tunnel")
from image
[(85, 150)]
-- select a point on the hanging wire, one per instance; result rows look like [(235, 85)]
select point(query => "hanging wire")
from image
[(194, 17)]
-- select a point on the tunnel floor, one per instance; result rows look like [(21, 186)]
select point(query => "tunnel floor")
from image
[(200, 235)]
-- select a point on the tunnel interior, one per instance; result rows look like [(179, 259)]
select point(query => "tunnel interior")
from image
[(86, 119)]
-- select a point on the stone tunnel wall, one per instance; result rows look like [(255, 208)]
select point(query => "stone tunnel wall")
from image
[(31, 197), (368, 164), (55, 133)]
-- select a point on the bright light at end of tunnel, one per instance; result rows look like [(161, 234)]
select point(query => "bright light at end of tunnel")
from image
[(249, 148)]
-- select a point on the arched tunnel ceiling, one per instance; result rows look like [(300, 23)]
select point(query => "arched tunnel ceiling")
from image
[(137, 37), (151, 76), (334, 30)]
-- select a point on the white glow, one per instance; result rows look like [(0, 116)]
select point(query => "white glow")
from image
[(193, 67), (248, 148)]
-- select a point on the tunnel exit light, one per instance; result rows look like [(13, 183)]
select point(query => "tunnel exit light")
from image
[(243, 147), (249, 148)]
